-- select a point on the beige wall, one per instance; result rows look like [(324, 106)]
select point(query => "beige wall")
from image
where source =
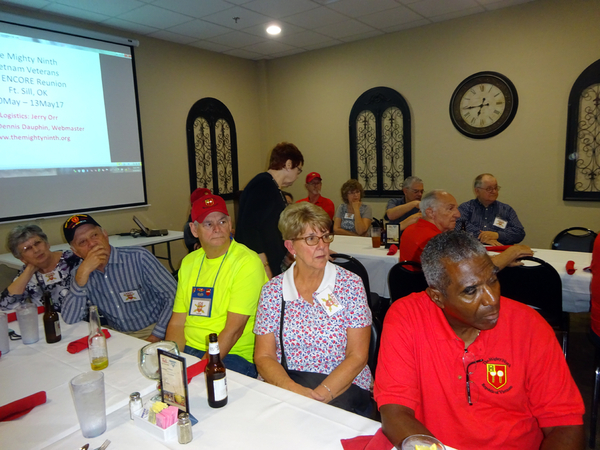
[(171, 78), (541, 46), (306, 99)]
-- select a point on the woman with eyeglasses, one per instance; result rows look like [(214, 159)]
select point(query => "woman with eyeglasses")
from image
[(319, 312), (43, 269), (352, 218)]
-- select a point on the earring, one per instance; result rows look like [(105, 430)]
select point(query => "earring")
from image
[(294, 255)]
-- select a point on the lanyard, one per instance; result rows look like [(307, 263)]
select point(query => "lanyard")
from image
[(202, 263)]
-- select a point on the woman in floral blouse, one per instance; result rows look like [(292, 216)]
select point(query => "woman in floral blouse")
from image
[(44, 270), (326, 319)]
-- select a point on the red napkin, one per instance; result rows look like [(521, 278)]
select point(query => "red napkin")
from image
[(82, 344), (393, 249), (196, 369), (376, 442), (497, 248), (21, 407), (570, 267), (13, 315)]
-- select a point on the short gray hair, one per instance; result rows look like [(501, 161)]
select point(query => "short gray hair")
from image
[(479, 179), (430, 200), (453, 246), (296, 217), (20, 234), (409, 181)]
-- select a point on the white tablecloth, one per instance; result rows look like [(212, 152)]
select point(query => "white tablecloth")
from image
[(576, 287), (257, 416)]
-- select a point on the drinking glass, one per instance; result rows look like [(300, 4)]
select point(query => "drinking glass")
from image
[(87, 390), (4, 345), (148, 359), (376, 237), (411, 442), (27, 315)]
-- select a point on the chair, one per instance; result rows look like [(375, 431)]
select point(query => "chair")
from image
[(402, 281), (583, 241), (355, 266), (376, 328), (538, 286), (595, 398)]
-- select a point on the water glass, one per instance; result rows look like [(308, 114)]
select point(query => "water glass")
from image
[(87, 390), (27, 315), (4, 346), (423, 440), (376, 237)]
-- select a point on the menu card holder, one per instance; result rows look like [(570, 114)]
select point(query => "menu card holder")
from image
[(173, 380), (393, 235)]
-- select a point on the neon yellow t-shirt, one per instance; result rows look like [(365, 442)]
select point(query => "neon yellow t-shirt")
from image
[(237, 289)]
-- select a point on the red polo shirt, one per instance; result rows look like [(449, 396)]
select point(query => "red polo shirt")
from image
[(324, 203), (414, 239), (521, 385)]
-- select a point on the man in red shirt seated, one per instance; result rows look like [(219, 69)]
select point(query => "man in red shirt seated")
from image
[(472, 368), (440, 212), (313, 186)]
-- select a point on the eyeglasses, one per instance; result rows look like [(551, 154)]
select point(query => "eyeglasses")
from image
[(470, 366), (299, 170), (491, 189), (209, 226), (417, 191), (29, 248), (314, 240)]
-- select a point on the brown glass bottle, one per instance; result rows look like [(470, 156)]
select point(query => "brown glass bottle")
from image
[(51, 320), (216, 378)]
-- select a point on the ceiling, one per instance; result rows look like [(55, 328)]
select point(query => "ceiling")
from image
[(237, 27)]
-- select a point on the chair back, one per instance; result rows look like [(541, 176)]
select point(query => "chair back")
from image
[(402, 281), (539, 286), (575, 239), (353, 265), (376, 328)]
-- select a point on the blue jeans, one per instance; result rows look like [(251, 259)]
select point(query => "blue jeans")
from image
[(231, 362)]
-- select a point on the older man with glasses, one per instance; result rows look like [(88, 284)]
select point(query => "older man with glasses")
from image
[(490, 221), (218, 290), (472, 368)]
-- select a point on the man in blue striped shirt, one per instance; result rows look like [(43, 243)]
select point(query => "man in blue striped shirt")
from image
[(131, 288), (490, 221)]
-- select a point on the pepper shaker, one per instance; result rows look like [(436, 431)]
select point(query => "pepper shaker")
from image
[(184, 429), (135, 404)]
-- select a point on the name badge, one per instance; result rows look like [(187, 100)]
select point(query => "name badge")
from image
[(348, 216), (500, 223), (329, 302), (130, 296), (201, 302), (52, 277)]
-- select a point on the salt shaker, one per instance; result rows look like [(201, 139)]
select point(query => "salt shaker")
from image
[(184, 429), (135, 404)]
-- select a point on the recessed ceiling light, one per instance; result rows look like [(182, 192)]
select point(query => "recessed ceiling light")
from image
[(274, 29)]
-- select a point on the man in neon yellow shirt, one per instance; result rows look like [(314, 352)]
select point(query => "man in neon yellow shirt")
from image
[(218, 290)]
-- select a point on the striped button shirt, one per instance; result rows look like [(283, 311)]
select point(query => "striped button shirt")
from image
[(128, 269)]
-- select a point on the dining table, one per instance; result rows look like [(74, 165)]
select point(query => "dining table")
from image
[(257, 416), (575, 287)]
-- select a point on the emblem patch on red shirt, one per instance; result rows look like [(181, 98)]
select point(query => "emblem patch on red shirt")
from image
[(496, 375)]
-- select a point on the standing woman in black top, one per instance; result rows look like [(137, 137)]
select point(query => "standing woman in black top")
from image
[(261, 204)]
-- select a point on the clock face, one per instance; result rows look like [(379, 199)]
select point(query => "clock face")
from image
[(483, 105)]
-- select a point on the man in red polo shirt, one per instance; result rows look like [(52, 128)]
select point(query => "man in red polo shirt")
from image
[(440, 212), (313, 186), (472, 368)]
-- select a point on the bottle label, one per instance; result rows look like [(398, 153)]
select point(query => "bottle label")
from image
[(213, 348), (57, 328), (220, 388)]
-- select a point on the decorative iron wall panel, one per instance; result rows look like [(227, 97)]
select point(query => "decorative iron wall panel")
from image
[(380, 142), (582, 156), (212, 148)]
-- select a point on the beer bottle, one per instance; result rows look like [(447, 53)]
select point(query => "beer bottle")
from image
[(51, 320), (97, 342), (216, 378)]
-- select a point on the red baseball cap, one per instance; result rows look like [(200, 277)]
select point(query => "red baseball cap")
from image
[(311, 176), (200, 192), (207, 204)]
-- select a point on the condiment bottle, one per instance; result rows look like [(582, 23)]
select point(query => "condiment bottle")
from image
[(216, 378), (135, 404), (184, 429), (97, 342)]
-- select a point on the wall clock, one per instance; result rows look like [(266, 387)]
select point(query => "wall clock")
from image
[(483, 105)]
